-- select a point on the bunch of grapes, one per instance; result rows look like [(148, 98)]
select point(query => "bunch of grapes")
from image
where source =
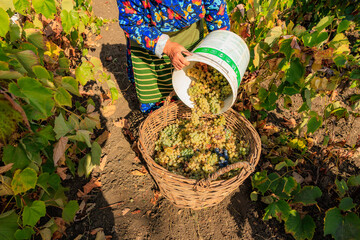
[(209, 88), (199, 146)]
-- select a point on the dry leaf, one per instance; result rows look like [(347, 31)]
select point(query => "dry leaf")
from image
[(109, 58), (294, 44), (61, 171), (90, 108), (103, 163), (241, 7), (270, 129), (61, 224), (94, 183), (108, 237), (96, 230), (137, 160), (59, 150), (122, 123), (333, 95), (108, 110), (136, 211), (154, 200), (6, 168), (100, 236), (140, 172), (125, 211), (290, 123), (298, 178), (98, 37), (103, 137), (78, 237)]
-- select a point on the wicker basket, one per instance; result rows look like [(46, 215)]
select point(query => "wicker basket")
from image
[(190, 193)]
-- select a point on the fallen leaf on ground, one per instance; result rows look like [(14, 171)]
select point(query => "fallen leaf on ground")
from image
[(136, 211), (290, 123), (298, 178), (107, 237), (96, 230), (61, 224), (61, 171), (154, 200), (270, 129), (6, 168), (90, 108), (103, 137), (125, 211), (103, 163), (100, 236), (333, 95), (98, 37), (78, 237), (108, 110), (94, 183), (140, 172), (59, 151), (122, 123)]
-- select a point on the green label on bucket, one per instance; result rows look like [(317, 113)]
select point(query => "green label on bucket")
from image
[(224, 57)]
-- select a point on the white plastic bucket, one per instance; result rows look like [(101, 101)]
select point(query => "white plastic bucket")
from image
[(223, 50)]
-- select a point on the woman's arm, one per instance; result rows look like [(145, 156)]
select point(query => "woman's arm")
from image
[(216, 15)]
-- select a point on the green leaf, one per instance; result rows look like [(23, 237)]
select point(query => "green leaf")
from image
[(82, 136), (5, 23), (308, 195), (285, 47), (340, 60), (314, 124), (301, 229), (267, 199), (346, 204), (280, 165), (45, 7), (341, 186), (69, 20), (67, 5), (35, 37), (85, 166), (290, 184), (32, 214), (254, 196), (6, 5), (340, 227), (299, 31), (84, 73), (15, 155), (340, 112), (15, 32), (261, 181), (27, 59), (22, 6), (295, 72), (10, 75), (113, 90), (70, 84), (343, 25), (354, 181), (41, 72), (54, 181), (324, 22), (273, 35), (95, 153), (279, 209), (62, 97), (8, 225), (70, 210), (355, 74), (43, 181), (60, 127), (23, 180), (24, 233), (315, 38), (39, 96)]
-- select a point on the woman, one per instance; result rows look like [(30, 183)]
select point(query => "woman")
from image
[(157, 32)]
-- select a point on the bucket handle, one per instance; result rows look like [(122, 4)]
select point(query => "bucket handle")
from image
[(205, 183), (198, 54)]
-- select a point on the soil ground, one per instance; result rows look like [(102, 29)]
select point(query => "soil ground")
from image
[(128, 206)]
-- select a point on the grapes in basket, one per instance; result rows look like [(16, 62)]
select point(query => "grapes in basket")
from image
[(199, 146)]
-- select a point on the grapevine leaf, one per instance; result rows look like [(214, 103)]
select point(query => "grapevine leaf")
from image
[(290, 184), (15, 32), (267, 199), (324, 22), (15, 155), (39, 96), (355, 74), (60, 127), (308, 195), (5, 23), (43, 181), (70, 84), (254, 196), (279, 209), (84, 73), (314, 124), (70, 210), (113, 90), (341, 187), (24, 233), (27, 59), (62, 97), (295, 71), (69, 20), (82, 136), (85, 166), (340, 60), (6, 5), (299, 31), (343, 25), (32, 213), (41, 72), (5, 183), (285, 47), (280, 165), (273, 35), (95, 153), (67, 5), (346, 204), (341, 227), (10, 75), (8, 225), (354, 181), (35, 37), (261, 181), (23, 180), (45, 7), (301, 229), (21, 6), (54, 181)]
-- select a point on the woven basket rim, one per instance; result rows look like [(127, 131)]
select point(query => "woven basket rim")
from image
[(181, 177)]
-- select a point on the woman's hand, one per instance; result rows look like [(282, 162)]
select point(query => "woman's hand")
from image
[(173, 50)]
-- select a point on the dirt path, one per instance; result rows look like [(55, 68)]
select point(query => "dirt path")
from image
[(126, 206)]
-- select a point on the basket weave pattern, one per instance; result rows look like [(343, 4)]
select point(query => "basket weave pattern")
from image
[(190, 193)]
